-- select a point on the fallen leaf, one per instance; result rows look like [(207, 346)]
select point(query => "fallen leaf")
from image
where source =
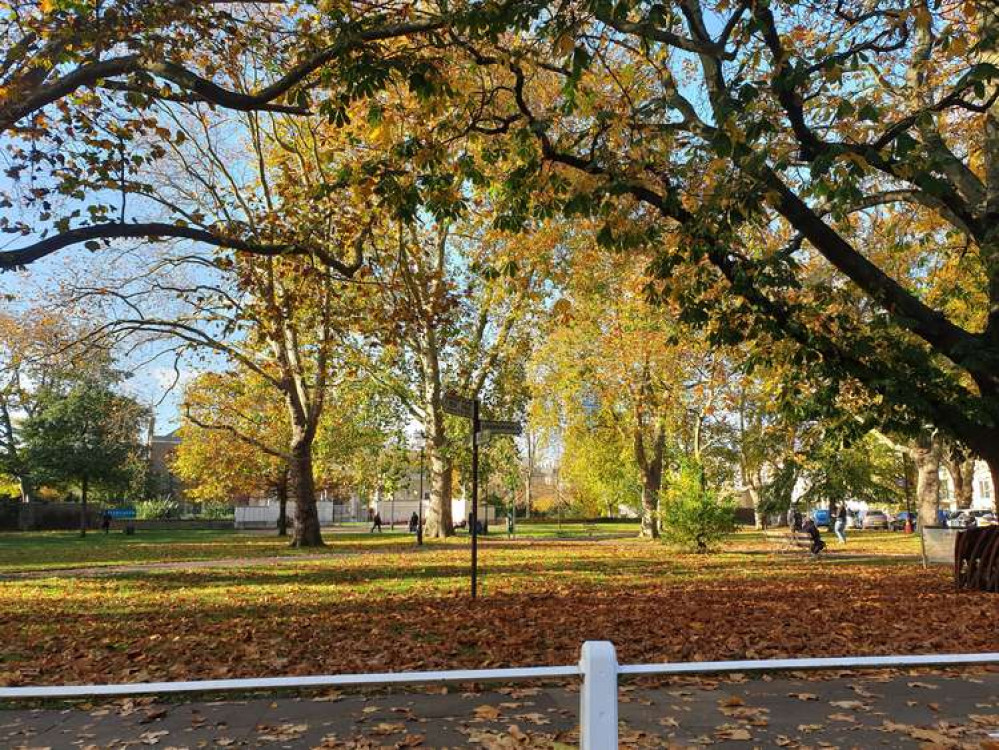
[(489, 713)]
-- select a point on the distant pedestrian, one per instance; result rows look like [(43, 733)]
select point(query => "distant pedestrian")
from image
[(840, 527), (414, 523), (376, 524), (794, 519), (812, 530), (106, 521)]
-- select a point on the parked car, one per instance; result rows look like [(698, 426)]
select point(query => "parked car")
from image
[(876, 519), (898, 522), (821, 516), (983, 517), (961, 519)]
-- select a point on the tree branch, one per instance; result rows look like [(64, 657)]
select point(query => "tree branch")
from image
[(15, 259)]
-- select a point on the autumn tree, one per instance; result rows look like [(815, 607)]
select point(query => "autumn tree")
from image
[(801, 122), (90, 93), (598, 466), (451, 319), (611, 361), (280, 318), (234, 439)]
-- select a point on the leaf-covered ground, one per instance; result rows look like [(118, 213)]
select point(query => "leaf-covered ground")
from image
[(380, 604)]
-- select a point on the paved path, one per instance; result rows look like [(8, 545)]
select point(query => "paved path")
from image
[(93, 571), (934, 710), (110, 570)]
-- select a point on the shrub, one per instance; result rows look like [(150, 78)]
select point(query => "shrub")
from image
[(149, 510), (693, 515), (216, 510)]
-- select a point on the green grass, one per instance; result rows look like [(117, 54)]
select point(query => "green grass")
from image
[(65, 549), (39, 551), (858, 541)]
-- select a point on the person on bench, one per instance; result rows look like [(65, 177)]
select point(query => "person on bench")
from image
[(813, 532)]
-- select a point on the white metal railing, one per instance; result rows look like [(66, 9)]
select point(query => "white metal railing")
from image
[(598, 668)]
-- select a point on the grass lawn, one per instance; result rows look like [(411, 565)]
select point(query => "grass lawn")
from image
[(24, 552), (373, 603), (65, 549)]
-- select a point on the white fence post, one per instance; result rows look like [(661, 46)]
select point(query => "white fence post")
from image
[(598, 697)]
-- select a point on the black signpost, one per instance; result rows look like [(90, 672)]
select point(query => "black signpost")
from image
[(468, 408), (475, 497)]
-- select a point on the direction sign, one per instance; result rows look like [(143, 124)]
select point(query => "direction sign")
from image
[(499, 427), (458, 405)]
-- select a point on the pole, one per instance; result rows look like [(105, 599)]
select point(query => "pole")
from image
[(598, 697), (908, 499), (419, 503), (475, 496)]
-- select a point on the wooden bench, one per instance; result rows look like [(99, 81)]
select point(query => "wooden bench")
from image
[(785, 540)]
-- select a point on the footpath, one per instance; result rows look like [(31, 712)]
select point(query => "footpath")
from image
[(934, 710)]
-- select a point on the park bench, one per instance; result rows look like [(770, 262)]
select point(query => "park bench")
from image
[(785, 540)]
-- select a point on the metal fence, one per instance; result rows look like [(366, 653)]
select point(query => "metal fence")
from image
[(598, 667)]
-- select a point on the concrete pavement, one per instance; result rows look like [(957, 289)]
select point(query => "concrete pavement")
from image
[(874, 710)]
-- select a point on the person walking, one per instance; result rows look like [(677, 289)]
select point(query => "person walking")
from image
[(840, 527), (414, 523), (376, 524)]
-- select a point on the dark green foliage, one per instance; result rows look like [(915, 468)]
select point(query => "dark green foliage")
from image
[(693, 515), (88, 434)]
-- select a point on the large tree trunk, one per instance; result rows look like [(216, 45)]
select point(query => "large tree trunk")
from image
[(307, 532), (759, 521), (281, 488), (439, 521), (650, 464), (650, 507), (962, 474), (652, 480), (927, 455)]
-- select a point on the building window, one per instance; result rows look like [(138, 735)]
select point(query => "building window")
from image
[(946, 490), (985, 488)]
